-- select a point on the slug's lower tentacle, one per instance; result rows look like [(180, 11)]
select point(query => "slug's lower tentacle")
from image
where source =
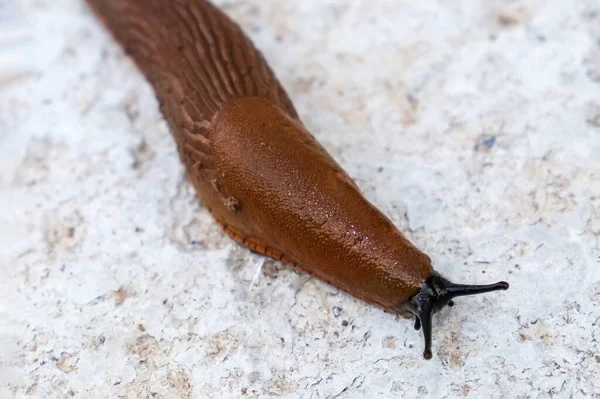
[(438, 292)]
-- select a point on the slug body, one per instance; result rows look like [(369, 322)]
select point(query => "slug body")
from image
[(256, 168)]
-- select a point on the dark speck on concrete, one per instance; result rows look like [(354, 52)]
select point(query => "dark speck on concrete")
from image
[(485, 144)]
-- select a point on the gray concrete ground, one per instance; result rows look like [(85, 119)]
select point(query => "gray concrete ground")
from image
[(475, 125)]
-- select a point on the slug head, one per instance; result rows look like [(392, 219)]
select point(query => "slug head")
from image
[(436, 293)]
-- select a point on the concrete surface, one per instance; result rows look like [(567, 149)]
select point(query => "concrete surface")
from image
[(475, 125)]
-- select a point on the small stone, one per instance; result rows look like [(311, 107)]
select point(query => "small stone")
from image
[(337, 311)]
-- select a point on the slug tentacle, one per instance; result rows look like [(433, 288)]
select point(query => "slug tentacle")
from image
[(438, 292)]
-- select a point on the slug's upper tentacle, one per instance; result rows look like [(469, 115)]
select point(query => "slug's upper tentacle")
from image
[(436, 293)]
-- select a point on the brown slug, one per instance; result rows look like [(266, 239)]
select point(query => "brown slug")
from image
[(255, 167)]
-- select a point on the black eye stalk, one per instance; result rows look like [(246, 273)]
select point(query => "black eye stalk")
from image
[(438, 292)]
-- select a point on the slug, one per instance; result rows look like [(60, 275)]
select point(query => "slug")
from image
[(264, 178)]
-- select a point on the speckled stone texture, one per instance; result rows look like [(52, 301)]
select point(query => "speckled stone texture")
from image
[(475, 125)]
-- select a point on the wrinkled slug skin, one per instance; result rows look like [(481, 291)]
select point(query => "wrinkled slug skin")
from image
[(255, 167)]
